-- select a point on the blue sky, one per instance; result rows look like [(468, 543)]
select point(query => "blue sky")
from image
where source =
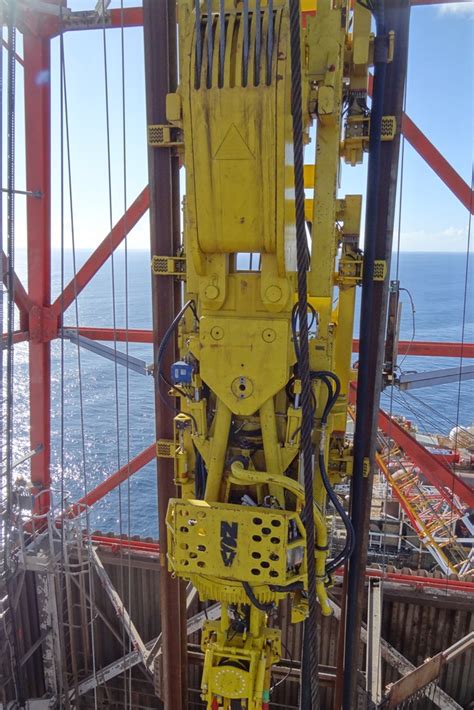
[(439, 99)]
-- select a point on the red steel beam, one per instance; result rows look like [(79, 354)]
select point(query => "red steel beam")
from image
[(128, 17), (133, 16), (405, 347), (19, 336), (98, 258), (436, 2), (430, 349), (438, 163), (20, 296), (38, 178), (416, 580), (433, 158), (444, 583), (17, 56), (431, 466), (117, 543), (112, 481)]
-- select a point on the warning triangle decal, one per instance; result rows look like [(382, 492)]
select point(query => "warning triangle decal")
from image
[(233, 147)]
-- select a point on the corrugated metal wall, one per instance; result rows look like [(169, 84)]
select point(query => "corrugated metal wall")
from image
[(418, 624)]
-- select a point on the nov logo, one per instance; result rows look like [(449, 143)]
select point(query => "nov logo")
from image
[(228, 542)]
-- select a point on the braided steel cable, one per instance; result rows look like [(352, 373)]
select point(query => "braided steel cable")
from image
[(210, 44), (198, 59), (10, 625), (245, 55), (221, 43), (258, 42), (310, 656), (270, 33), (11, 115)]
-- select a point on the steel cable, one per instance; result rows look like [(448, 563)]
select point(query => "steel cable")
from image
[(258, 45), (222, 39), (61, 377), (210, 43), (85, 482), (245, 53), (127, 373), (127, 343), (7, 560), (198, 57), (114, 318), (270, 33), (310, 684)]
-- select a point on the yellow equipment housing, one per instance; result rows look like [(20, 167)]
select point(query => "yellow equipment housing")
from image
[(236, 530)]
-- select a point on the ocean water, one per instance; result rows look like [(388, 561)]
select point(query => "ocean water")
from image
[(435, 282)]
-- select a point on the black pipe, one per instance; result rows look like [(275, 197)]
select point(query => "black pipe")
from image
[(369, 336), (388, 94)]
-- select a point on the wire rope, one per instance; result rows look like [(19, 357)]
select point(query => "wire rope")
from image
[(464, 308), (11, 69), (114, 317), (310, 697), (85, 482), (463, 328), (413, 328), (61, 580), (2, 296), (7, 559), (436, 414), (127, 373)]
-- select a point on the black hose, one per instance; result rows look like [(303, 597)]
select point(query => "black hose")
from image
[(368, 343), (286, 588), (166, 337), (325, 376), (348, 548), (267, 608)]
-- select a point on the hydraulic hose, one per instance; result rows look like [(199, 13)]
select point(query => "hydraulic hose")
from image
[(368, 343), (326, 376)]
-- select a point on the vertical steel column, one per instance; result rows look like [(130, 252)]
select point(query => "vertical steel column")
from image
[(161, 74), (397, 15), (38, 178)]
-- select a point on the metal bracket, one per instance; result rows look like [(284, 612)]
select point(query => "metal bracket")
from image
[(366, 467), (169, 266), (350, 272), (161, 135), (165, 449), (357, 135), (388, 128), (380, 269)]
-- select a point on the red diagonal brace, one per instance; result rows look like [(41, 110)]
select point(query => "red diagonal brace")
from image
[(125, 224), (428, 348), (112, 481), (433, 157), (432, 468), (20, 296), (438, 163)]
